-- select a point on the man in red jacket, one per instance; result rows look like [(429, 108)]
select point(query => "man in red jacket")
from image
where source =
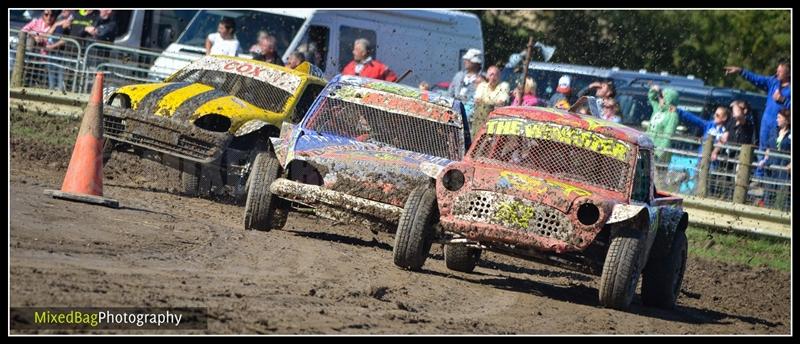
[(364, 65)]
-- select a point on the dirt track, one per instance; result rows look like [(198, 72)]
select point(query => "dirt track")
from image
[(166, 250)]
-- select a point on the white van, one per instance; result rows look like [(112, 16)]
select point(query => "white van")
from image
[(430, 43)]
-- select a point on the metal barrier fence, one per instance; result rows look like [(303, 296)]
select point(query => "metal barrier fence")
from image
[(78, 59), (48, 61), (726, 172)]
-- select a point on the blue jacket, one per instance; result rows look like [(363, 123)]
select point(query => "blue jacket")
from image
[(708, 125), (768, 84)]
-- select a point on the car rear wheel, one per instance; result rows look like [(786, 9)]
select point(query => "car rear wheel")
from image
[(661, 282), (415, 232), (190, 179), (108, 150), (621, 270), (461, 257), (262, 210)]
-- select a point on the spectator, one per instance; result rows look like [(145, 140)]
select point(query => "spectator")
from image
[(424, 86), (778, 95), (364, 65), (610, 110), (488, 95), (313, 55), (604, 90), (740, 129), (716, 127), (39, 28), (104, 27), (493, 92), (466, 81), (295, 59), (224, 41), (265, 50), (82, 19), (526, 97), (560, 99), (663, 120), (780, 139), (54, 47), (583, 109)]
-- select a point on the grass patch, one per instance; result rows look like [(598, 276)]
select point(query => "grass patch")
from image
[(743, 249), (57, 131)]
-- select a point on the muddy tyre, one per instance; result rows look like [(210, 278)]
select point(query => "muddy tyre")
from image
[(415, 232), (108, 150), (190, 179), (621, 271), (461, 258), (661, 281), (261, 207)]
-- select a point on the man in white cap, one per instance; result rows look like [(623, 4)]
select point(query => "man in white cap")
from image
[(560, 99), (466, 81)]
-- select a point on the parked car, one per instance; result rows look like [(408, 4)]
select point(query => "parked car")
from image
[(547, 75), (357, 154), (209, 119), (703, 101), (564, 189)]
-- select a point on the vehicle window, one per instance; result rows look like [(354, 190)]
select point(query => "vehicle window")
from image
[(315, 45), (348, 35), (341, 117), (248, 23), (634, 109), (305, 102), (123, 19), (161, 27), (641, 180), (560, 160)]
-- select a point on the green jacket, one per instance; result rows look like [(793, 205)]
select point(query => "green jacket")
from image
[(662, 121)]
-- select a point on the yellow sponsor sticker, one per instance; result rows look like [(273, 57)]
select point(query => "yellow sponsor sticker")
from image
[(576, 137)]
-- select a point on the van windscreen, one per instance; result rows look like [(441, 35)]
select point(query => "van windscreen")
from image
[(248, 24)]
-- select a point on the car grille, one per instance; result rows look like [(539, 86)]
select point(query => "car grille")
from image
[(508, 211)]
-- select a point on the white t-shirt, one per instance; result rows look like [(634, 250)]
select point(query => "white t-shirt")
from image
[(220, 46)]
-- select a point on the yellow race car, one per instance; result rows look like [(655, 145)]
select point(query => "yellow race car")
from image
[(210, 119)]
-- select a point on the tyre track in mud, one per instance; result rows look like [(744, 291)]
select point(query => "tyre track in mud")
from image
[(167, 250)]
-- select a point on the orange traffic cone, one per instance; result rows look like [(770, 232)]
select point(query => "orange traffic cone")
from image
[(84, 179)]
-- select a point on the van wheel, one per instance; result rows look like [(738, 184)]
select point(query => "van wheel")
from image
[(461, 258), (261, 207), (661, 282), (414, 236), (621, 271)]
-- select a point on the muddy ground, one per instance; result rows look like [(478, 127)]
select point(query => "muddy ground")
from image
[(165, 250)]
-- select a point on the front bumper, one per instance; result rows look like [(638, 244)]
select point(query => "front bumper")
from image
[(165, 135), (314, 195), (486, 233), (491, 217)]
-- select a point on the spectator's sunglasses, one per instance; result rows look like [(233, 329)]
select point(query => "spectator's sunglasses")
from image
[(47, 14)]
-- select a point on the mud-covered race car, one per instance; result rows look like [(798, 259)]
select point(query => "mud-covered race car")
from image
[(564, 189), (357, 154), (209, 119)]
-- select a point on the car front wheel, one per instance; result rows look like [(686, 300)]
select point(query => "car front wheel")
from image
[(415, 232), (261, 209)]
